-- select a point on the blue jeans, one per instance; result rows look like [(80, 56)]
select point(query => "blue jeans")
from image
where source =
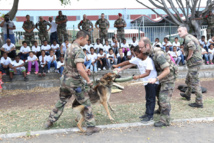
[(151, 91), (120, 60), (11, 37), (52, 64), (24, 56), (94, 68), (61, 70), (182, 58), (205, 56), (53, 37), (206, 48), (87, 64)]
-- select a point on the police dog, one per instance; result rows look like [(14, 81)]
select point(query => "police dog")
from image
[(99, 94)]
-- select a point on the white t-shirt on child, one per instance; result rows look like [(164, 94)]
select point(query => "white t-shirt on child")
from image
[(99, 55), (54, 47), (118, 55), (36, 49), (144, 65), (100, 46), (106, 48), (59, 64), (92, 57), (88, 55), (8, 48), (50, 58), (6, 61), (126, 45), (32, 58), (47, 47), (24, 50), (14, 63), (211, 51), (40, 59), (110, 55)]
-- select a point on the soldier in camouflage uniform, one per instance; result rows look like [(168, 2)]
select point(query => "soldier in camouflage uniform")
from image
[(103, 27), (167, 74), (192, 50), (71, 83), (61, 28), (87, 26), (43, 31), (120, 24), (29, 26)]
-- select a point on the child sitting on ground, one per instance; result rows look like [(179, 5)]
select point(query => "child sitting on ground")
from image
[(87, 61), (111, 58), (24, 51), (36, 49), (5, 62), (17, 67), (120, 56), (32, 62), (60, 65), (93, 57), (101, 59), (43, 63)]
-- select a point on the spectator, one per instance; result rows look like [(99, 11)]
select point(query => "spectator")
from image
[(210, 41), (51, 61), (46, 47), (93, 57), (169, 53), (203, 42), (134, 43), (115, 45), (157, 42), (165, 43), (36, 49), (87, 61), (89, 45), (24, 51), (32, 62), (5, 62), (56, 49), (211, 52), (7, 29), (9, 48), (98, 46), (43, 63), (130, 53), (53, 31), (181, 53), (60, 65), (176, 43), (175, 55), (111, 58), (64, 46), (125, 47), (106, 47), (17, 67), (101, 60), (121, 56), (205, 55), (29, 26)]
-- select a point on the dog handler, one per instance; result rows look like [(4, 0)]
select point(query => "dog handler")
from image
[(71, 83)]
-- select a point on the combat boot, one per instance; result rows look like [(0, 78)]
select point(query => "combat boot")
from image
[(196, 105), (48, 124), (92, 130), (185, 96), (160, 124), (157, 111)]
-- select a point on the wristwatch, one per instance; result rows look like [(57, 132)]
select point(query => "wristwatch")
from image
[(157, 79)]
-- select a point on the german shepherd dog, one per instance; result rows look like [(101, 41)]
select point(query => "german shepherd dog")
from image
[(99, 94)]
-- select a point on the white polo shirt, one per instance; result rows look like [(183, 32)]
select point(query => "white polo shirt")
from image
[(36, 49), (24, 50), (6, 61), (54, 47), (50, 58), (47, 47), (8, 47), (40, 59)]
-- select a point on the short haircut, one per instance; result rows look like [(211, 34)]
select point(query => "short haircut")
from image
[(202, 36), (176, 37), (17, 56), (27, 15), (146, 41), (132, 47), (110, 49), (100, 50), (102, 13), (81, 34), (54, 40), (210, 45), (166, 38), (201, 45), (42, 51), (133, 37), (45, 41), (113, 37), (51, 50), (92, 48), (4, 53), (157, 45), (34, 42), (84, 49), (137, 50), (24, 42)]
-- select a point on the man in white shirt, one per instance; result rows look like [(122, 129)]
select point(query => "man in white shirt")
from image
[(24, 50), (9, 48), (46, 47), (165, 43), (51, 61), (5, 62), (98, 46), (203, 42), (176, 43), (17, 67), (7, 29), (134, 42), (53, 30)]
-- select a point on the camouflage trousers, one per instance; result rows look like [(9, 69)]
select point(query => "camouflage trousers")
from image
[(62, 35), (165, 91), (44, 36), (29, 39), (80, 95), (193, 81), (120, 35), (210, 32), (103, 33)]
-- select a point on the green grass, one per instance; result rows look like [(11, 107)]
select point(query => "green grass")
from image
[(19, 120)]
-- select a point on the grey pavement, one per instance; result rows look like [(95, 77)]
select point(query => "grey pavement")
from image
[(202, 132)]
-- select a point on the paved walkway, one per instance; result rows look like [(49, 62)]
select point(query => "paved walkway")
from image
[(178, 133)]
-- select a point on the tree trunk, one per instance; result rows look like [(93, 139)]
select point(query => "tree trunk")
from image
[(196, 28), (13, 11)]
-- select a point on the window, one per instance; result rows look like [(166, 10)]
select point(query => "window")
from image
[(78, 17)]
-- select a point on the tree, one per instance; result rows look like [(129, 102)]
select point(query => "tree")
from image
[(188, 8)]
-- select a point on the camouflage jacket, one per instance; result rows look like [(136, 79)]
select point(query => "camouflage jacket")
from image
[(28, 25), (161, 61), (42, 26), (61, 18), (85, 24), (192, 43), (210, 20), (103, 24), (118, 22), (73, 55)]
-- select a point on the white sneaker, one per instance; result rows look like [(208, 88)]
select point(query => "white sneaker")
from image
[(99, 69), (104, 68), (48, 71), (56, 71)]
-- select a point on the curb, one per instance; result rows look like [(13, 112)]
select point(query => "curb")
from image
[(110, 126)]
